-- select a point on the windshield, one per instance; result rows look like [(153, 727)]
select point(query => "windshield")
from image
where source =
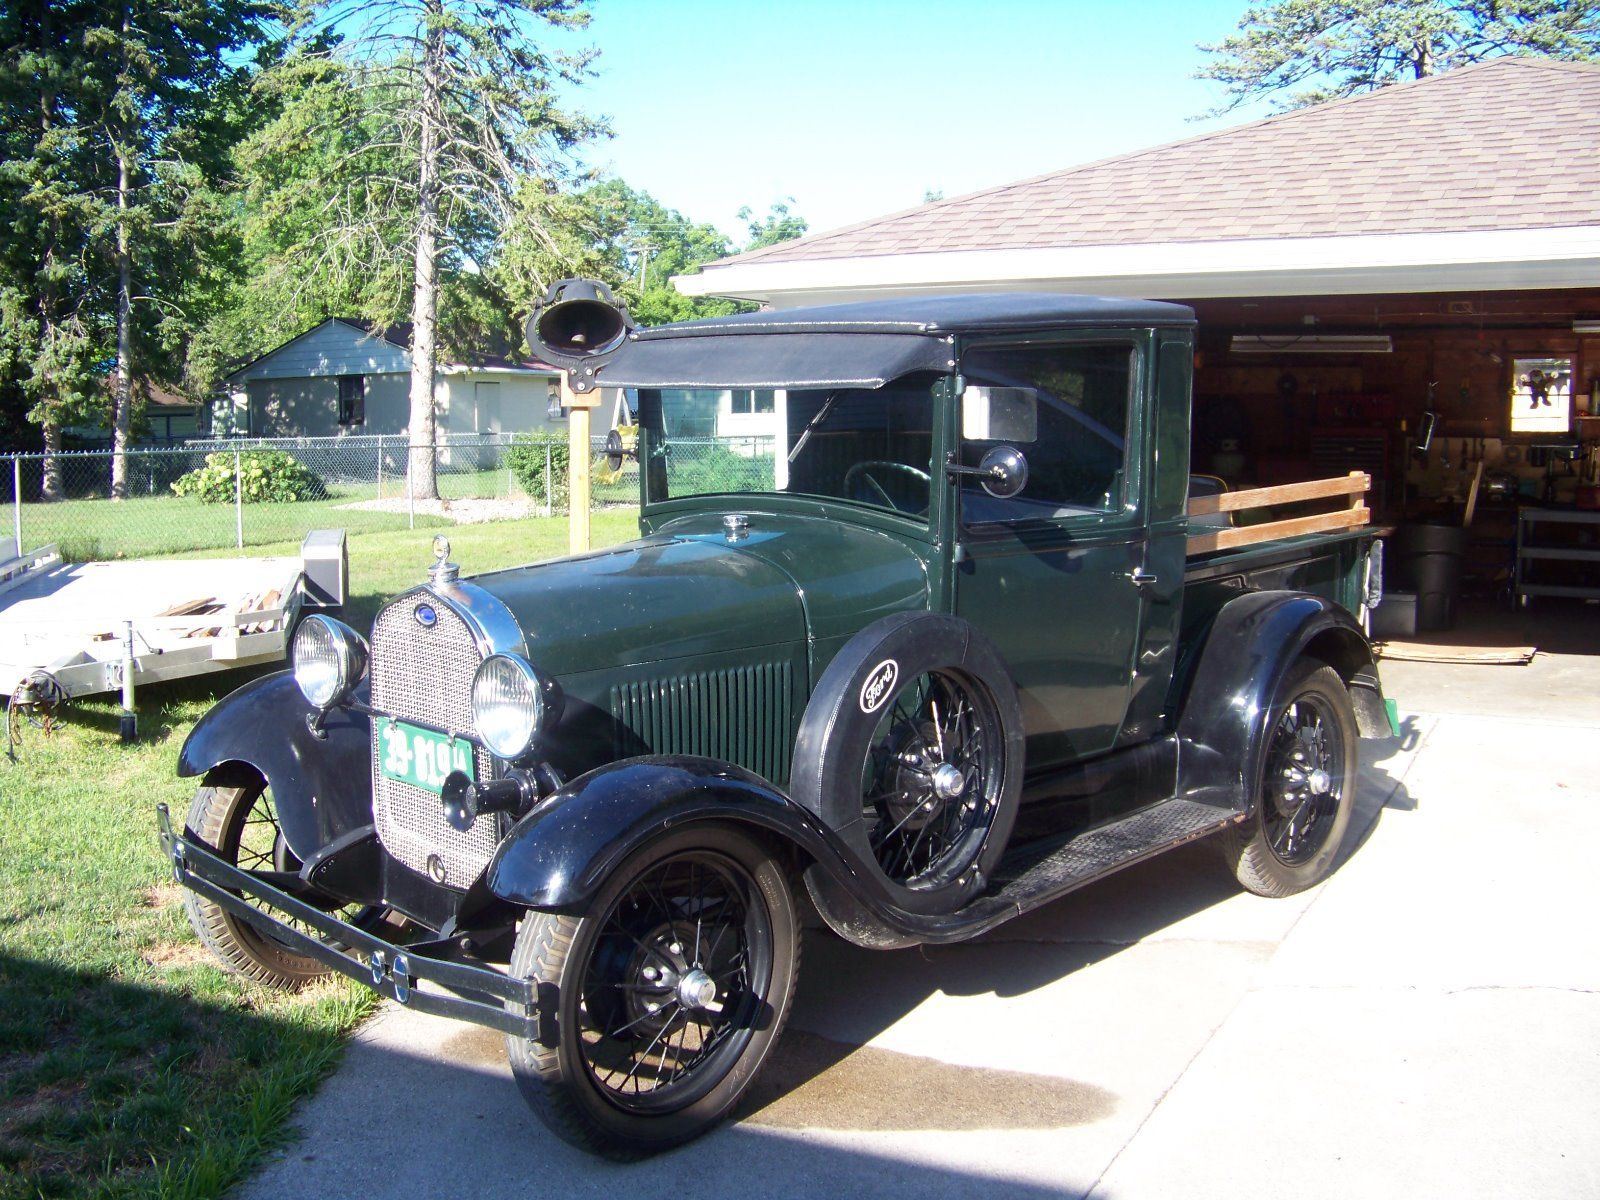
[(869, 446)]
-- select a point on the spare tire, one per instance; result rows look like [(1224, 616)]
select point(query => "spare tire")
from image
[(911, 749)]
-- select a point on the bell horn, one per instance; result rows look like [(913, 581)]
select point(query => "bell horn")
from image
[(578, 323)]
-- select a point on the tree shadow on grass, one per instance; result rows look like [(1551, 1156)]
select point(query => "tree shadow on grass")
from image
[(114, 1086)]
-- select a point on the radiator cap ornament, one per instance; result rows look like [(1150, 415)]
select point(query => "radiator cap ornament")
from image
[(443, 570)]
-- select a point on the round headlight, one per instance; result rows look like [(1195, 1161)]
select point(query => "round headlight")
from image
[(329, 659), (511, 704)]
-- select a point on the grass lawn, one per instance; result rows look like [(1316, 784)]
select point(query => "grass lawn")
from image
[(158, 522), (130, 1066), (149, 526)]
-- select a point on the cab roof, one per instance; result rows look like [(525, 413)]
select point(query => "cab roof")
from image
[(983, 312), (860, 345)]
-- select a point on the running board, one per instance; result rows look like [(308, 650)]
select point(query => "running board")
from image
[(1035, 874)]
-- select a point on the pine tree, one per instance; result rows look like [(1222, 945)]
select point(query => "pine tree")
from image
[(437, 129), (1300, 52)]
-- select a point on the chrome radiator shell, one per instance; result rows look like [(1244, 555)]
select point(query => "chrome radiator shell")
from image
[(424, 673)]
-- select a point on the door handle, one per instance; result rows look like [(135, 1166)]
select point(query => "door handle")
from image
[(1141, 577)]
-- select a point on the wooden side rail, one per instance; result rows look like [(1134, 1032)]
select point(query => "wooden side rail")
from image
[(1354, 486)]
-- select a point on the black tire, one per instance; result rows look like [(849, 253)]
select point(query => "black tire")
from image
[(597, 966), (867, 758), (240, 825), (1293, 837)]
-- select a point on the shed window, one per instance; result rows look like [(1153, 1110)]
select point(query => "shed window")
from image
[(761, 400), (352, 399)]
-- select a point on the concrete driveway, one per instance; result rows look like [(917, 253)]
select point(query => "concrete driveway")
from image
[(1426, 1023)]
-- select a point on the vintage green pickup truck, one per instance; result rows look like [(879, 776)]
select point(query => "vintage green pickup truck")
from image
[(944, 655)]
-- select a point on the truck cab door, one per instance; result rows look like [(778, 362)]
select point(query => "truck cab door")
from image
[(1055, 574)]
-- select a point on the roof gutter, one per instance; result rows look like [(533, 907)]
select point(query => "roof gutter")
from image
[(1481, 260)]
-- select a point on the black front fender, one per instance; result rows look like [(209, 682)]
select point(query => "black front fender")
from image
[(1252, 644), (562, 853), (321, 787)]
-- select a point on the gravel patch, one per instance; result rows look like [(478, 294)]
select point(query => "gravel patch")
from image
[(462, 512)]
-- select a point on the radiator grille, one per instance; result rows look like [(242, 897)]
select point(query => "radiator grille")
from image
[(425, 674), (741, 715)]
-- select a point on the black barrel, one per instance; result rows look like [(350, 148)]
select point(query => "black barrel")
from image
[(1426, 559)]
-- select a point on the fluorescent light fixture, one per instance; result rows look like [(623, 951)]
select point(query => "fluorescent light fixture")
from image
[(1586, 327), (1313, 343)]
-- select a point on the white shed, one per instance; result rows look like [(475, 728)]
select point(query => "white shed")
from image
[(342, 377)]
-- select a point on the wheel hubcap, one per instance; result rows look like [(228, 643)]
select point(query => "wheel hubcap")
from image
[(948, 782), (696, 990)]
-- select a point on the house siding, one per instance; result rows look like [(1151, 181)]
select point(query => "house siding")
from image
[(293, 407), (294, 391), (517, 403), (331, 349)]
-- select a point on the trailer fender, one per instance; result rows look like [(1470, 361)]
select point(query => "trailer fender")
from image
[(321, 786), (1252, 643)]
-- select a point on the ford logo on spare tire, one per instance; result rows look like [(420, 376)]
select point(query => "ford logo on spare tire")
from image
[(427, 616), (879, 685)]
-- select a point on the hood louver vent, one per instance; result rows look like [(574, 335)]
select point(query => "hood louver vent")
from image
[(742, 715)]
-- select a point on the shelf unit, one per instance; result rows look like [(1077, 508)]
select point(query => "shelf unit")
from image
[(1536, 546)]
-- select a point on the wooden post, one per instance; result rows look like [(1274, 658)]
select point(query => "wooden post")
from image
[(578, 406)]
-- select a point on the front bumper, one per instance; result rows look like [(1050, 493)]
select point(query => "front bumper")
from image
[(479, 994)]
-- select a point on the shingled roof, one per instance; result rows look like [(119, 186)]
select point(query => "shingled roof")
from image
[(1512, 143)]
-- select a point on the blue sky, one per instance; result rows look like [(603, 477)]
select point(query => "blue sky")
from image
[(855, 109)]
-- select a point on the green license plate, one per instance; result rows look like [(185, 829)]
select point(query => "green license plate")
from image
[(421, 757)]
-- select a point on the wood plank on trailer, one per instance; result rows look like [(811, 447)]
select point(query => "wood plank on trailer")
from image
[(1354, 484), (1247, 535)]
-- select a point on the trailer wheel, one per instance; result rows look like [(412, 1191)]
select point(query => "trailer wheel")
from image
[(241, 825), (911, 749), (1305, 787), (667, 994)]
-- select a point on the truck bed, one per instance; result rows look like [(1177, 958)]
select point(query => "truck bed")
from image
[(1213, 527)]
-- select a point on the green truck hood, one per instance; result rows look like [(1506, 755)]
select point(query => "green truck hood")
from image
[(688, 590)]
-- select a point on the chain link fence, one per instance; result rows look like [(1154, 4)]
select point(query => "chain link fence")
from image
[(238, 493), (241, 493)]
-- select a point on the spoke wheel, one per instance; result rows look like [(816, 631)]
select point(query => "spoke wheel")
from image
[(668, 996), (1305, 787), (931, 779), (241, 825), (1303, 781), (911, 750)]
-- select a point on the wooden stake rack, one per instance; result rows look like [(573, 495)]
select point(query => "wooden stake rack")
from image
[(1352, 488)]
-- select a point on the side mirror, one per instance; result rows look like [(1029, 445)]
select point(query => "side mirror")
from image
[(1003, 471)]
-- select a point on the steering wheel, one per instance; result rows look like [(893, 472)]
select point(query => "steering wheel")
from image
[(863, 471)]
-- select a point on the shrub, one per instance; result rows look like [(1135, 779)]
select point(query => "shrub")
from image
[(696, 470), (525, 458), (265, 477)]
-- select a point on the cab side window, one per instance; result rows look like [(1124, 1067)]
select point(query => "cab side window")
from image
[(1075, 438)]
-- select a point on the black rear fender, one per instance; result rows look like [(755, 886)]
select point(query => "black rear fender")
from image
[(321, 787), (1252, 644)]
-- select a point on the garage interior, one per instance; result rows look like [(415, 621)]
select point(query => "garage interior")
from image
[(1492, 522)]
